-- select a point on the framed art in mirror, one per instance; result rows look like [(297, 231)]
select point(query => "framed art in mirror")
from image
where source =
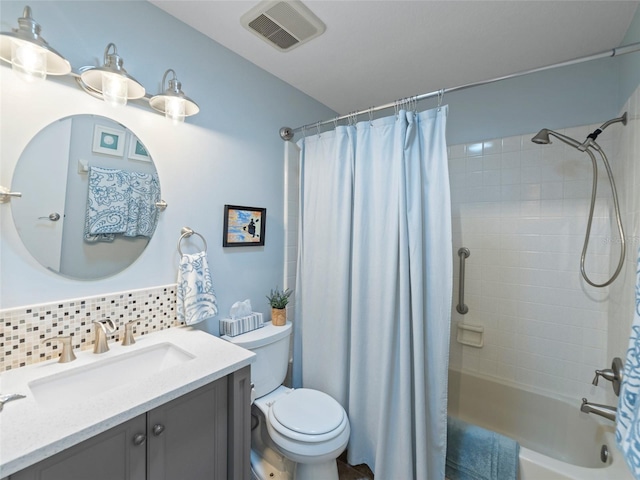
[(109, 141)]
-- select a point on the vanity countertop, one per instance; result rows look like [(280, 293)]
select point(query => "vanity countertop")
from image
[(31, 431)]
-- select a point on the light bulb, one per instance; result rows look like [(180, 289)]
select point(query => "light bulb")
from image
[(175, 109), (28, 61), (114, 89)]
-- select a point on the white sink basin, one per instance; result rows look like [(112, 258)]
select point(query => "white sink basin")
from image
[(103, 375)]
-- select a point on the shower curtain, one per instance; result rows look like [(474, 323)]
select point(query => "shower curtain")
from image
[(374, 283)]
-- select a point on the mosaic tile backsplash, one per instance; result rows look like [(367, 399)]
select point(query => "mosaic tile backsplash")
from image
[(22, 330)]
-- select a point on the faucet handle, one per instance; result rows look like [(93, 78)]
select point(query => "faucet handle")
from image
[(128, 339), (613, 374), (67, 354)]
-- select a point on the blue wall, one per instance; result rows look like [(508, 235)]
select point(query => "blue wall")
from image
[(587, 93), (230, 153)]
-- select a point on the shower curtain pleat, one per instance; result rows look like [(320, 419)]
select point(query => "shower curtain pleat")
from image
[(323, 279), (374, 292)]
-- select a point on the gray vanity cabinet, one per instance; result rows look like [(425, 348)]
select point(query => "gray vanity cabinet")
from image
[(187, 438), (202, 435), (108, 456)]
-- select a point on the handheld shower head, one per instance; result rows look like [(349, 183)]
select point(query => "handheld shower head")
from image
[(542, 138)]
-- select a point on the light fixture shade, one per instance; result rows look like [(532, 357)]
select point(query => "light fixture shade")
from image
[(25, 43), (172, 101), (111, 80)]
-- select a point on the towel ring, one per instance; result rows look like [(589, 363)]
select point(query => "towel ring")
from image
[(186, 233)]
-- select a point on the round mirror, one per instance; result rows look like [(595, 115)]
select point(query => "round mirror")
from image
[(89, 197)]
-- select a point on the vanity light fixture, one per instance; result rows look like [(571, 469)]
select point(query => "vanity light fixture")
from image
[(28, 53), (172, 101), (111, 81)]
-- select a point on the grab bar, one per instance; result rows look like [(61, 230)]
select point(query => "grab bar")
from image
[(463, 253)]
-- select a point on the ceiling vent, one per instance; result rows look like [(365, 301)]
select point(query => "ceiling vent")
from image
[(283, 24)]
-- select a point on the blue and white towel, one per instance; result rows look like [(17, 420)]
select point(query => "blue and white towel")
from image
[(628, 416), (120, 202), (196, 299)]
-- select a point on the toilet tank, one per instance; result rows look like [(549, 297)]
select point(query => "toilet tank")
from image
[(271, 346)]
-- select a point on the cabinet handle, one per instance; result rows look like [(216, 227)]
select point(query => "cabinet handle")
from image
[(139, 439), (158, 428)]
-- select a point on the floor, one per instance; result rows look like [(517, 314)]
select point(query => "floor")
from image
[(357, 472)]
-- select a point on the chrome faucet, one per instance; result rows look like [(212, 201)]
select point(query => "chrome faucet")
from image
[(603, 410), (101, 329)]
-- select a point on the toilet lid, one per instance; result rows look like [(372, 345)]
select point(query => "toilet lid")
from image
[(308, 411)]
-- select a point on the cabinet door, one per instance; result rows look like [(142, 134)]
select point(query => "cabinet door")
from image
[(111, 455), (188, 436)]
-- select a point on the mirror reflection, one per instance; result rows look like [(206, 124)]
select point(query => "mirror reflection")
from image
[(89, 193)]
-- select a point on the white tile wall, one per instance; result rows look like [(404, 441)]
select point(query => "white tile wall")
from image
[(626, 169), (522, 210)]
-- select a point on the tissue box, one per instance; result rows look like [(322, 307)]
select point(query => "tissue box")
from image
[(237, 326)]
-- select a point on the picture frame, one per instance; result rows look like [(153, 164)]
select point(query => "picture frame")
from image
[(109, 141), (137, 150), (244, 226)]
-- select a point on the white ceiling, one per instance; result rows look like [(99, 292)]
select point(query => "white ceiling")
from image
[(374, 52)]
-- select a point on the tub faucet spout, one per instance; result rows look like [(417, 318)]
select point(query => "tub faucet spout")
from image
[(605, 411)]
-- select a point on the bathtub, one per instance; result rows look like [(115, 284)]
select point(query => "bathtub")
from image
[(557, 441)]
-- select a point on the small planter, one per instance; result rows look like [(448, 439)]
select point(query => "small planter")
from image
[(278, 301), (279, 316)]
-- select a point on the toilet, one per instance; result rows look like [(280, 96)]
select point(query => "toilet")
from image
[(296, 433)]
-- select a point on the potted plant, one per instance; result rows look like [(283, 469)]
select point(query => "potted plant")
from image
[(278, 301)]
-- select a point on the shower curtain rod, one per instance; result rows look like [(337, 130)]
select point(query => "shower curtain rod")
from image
[(287, 133)]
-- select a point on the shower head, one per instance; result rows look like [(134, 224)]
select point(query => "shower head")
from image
[(542, 138)]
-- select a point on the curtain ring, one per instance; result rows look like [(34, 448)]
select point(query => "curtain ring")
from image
[(318, 129), (335, 122), (440, 97), (396, 108), (415, 104), (371, 116)]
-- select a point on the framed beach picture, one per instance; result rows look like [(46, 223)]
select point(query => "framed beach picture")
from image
[(243, 226), (137, 151), (109, 141)]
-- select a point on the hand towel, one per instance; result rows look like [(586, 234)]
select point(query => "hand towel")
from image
[(628, 415), (196, 300), (107, 204), (474, 453), (144, 193), (120, 202)]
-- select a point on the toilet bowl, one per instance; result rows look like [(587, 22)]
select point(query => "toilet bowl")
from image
[(307, 427)]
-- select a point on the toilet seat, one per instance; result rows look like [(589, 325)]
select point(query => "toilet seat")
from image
[(308, 416)]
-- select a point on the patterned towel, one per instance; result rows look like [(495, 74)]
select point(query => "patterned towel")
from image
[(196, 299), (120, 202), (628, 416)]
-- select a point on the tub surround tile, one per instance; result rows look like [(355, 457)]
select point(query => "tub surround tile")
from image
[(523, 282)]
